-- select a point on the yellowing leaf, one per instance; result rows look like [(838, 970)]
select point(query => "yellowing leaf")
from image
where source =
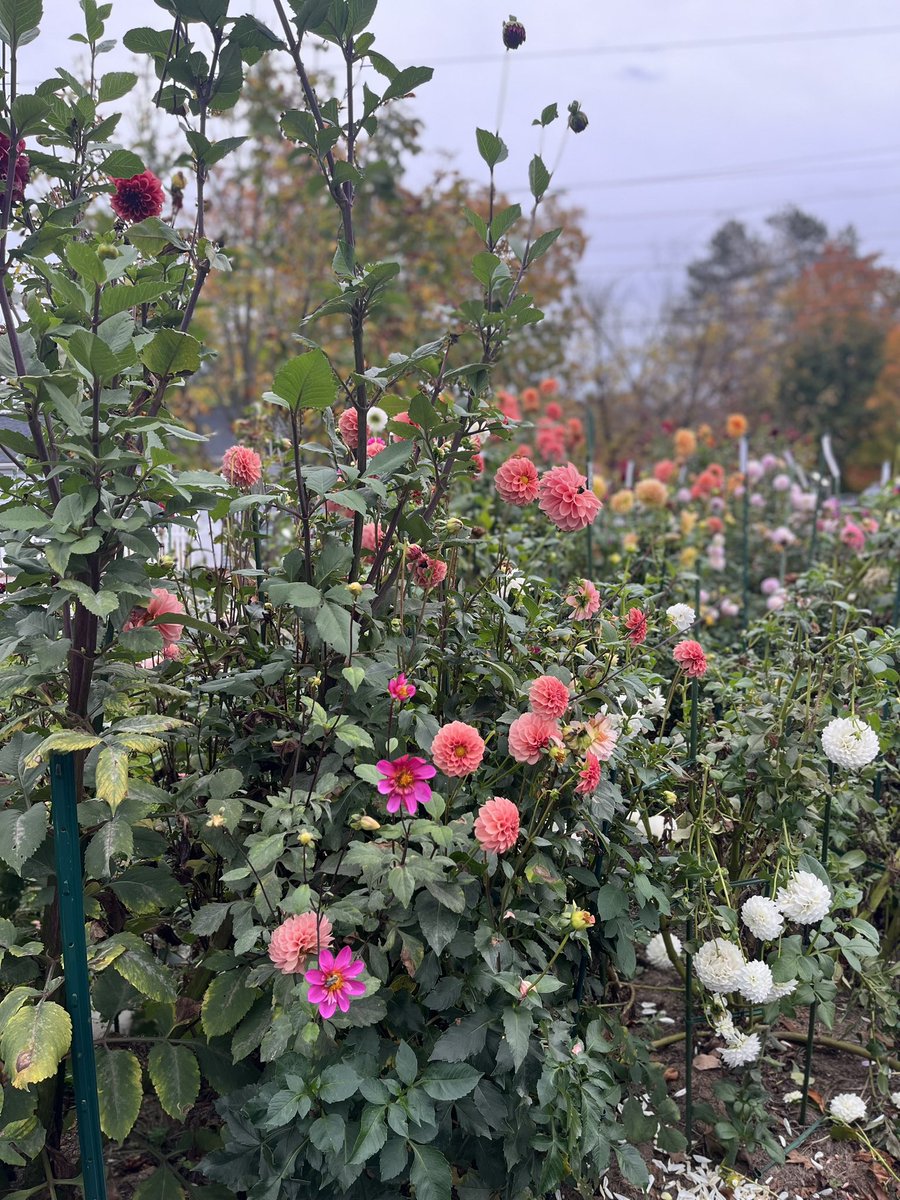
[(34, 1042), (119, 1091), (111, 780)]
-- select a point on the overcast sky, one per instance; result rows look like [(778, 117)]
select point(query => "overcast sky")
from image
[(683, 133)]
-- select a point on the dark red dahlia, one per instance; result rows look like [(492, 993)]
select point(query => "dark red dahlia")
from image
[(137, 198), (20, 177), (513, 33)]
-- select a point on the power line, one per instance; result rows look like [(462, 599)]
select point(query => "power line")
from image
[(758, 39)]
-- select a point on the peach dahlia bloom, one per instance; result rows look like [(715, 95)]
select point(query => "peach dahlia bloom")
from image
[(296, 939), (497, 825), (548, 697), (566, 499), (690, 657), (241, 466), (529, 735), (457, 749), (516, 481)]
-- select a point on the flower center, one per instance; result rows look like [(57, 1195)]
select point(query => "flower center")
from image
[(460, 752), (405, 779), (333, 982)]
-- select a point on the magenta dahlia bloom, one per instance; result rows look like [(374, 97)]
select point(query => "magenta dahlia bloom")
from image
[(20, 171), (137, 198), (400, 688), (405, 783), (333, 984)]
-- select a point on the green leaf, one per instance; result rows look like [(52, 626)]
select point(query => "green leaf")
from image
[(19, 20), (548, 114), (327, 1133), (175, 1075), (541, 245), (171, 353), (338, 1082), (101, 604), (449, 1081), (405, 1063), (227, 1000), (300, 595), (116, 84), (491, 147), (355, 676), (306, 382), (93, 355), (146, 973), (402, 884), (28, 113), (122, 164), (333, 624), (538, 177), (34, 1042), (146, 889), (429, 1173), (162, 1185), (119, 1091), (111, 779), (372, 1134), (19, 518), (639, 1127), (154, 236), (64, 741), (406, 81), (438, 924), (21, 833), (114, 839), (632, 1166), (517, 1025), (85, 261)]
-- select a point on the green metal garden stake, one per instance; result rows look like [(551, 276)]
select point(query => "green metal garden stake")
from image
[(589, 420), (71, 917)]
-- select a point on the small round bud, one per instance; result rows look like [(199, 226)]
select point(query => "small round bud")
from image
[(454, 525), (578, 121), (105, 250), (513, 33), (670, 797), (355, 589), (306, 838), (315, 681), (580, 918)]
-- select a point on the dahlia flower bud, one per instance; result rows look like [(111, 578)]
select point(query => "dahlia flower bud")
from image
[(578, 121), (513, 33)]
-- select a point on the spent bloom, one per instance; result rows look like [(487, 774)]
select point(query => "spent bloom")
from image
[(457, 749), (850, 743), (513, 33), (334, 984), (755, 981), (548, 697), (376, 419), (405, 782), (516, 481), (241, 466), (429, 572), (566, 499), (296, 939), (681, 616), (497, 825), (584, 602), (400, 688), (806, 899), (20, 171), (718, 965), (657, 954), (848, 1107), (589, 775), (636, 624), (690, 657), (529, 735), (137, 198), (744, 1048), (762, 917)]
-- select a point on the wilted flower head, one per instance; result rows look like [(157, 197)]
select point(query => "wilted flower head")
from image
[(376, 419), (137, 198), (585, 602), (588, 775), (850, 743)]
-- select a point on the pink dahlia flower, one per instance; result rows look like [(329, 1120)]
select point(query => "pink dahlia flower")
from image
[(853, 536), (497, 825), (548, 697), (585, 602), (400, 689), (529, 735), (137, 198), (636, 624), (296, 939), (375, 445), (457, 749), (372, 536), (241, 466), (566, 498), (334, 984), (429, 572), (405, 783), (690, 657), (348, 424), (589, 775), (161, 602), (516, 481)]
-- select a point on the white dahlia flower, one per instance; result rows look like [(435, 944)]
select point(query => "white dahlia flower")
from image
[(718, 965), (755, 981), (780, 990), (724, 1026), (377, 419), (656, 953), (850, 743), (848, 1107), (895, 1099), (682, 616), (654, 703), (762, 918), (806, 899), (745, 1049)]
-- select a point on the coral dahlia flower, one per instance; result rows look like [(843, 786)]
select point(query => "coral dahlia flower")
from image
[(241, 466), (589, 775), (161, 602), (548, 697), (296, 939), (137, 198), (497, 825), (348, 425), (516, 481), (457, 749), (529, 735), (636, 624), (690, 657), (585, 602), (566, 499)]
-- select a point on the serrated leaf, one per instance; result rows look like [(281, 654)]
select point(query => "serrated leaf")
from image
[(491, 147), (115, 84), (122, 164), (372, 1134), (163, 1185), (101, 604), (113, 840), (449, 1081), (300, 595), (147, 974), (333, 624), (406, 81), (429, 1173), (21, 833), (538, 177), (171, 353), (146, 889), (227, 1000), (19, 20), (306, 382), (175, 1075), (111, 777), (62, 742), (35, 1039), (517, 1025), (119, 1091), (438, 923), (85, 262)]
